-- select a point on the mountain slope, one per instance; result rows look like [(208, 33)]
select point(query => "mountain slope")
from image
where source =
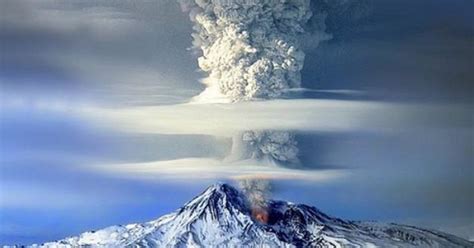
[(220, 216)]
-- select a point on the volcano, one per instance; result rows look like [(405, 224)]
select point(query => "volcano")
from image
[(221, 217)]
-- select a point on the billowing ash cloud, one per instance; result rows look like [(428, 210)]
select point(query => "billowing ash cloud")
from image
[(278, 145), (267, 145), (249, 48)]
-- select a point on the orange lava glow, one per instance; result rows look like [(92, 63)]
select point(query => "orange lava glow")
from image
[(260, 214)]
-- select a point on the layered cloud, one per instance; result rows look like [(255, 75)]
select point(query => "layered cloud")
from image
[(210, 168), (302, 115)]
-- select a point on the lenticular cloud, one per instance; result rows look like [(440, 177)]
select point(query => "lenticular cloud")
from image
[(249, 48)]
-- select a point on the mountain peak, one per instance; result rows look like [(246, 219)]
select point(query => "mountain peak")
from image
[(221, 217), (218, 195), (222, 188)]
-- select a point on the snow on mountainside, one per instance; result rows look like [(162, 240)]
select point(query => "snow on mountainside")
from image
[(220, 217)]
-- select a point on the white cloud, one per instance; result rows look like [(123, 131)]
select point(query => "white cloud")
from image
[(303, 115), (210, 168)]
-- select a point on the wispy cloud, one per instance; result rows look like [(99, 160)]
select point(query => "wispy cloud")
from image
[(303, 115), (209, 168)]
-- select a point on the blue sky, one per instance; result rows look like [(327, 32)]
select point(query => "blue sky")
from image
[(119, 54)]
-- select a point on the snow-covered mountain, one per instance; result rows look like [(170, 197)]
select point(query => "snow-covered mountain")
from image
[(220, 217)]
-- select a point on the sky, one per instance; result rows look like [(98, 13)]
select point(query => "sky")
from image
[(96, 128)]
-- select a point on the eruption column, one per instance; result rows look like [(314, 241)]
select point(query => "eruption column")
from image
[(250, 51), (257, 192)]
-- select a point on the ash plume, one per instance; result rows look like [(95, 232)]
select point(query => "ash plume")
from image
[(257, 192), (268, 146), (250, 48), (278, 146)]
